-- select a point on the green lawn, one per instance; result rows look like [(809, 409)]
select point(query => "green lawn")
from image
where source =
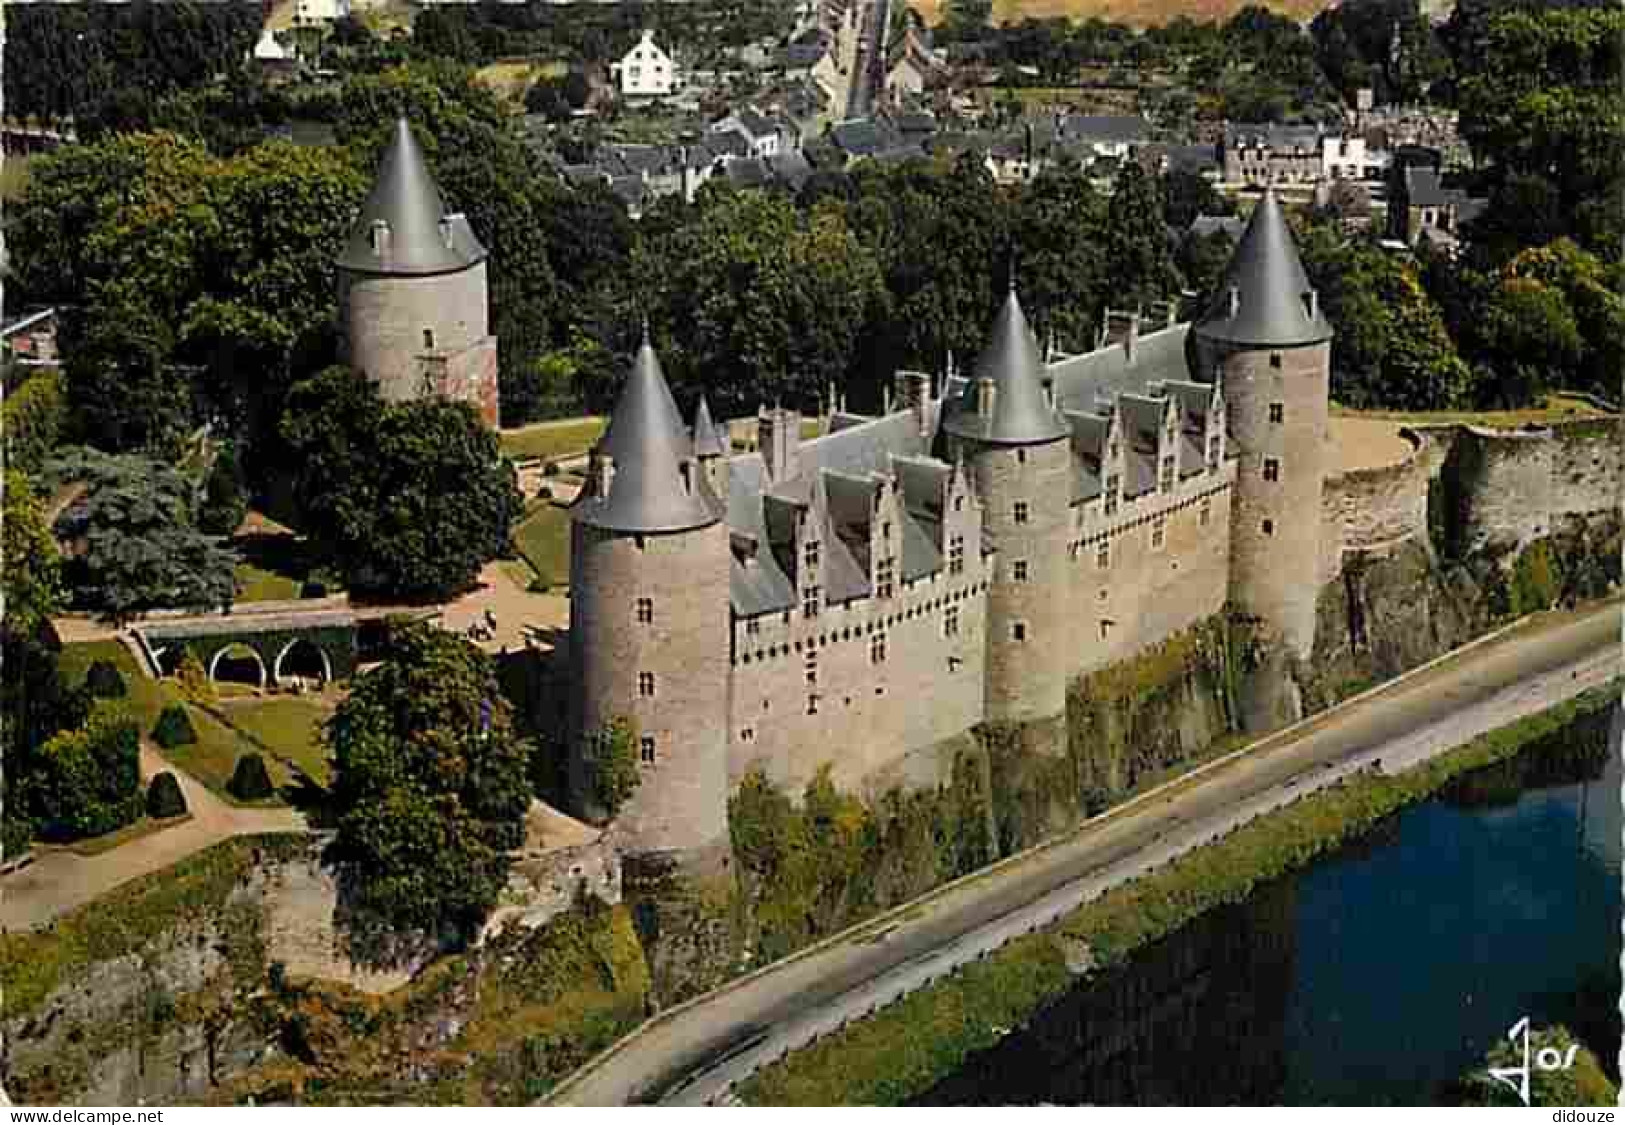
[(543, 538), (551, 440), (291, 726), (256, 584), (212, 758), (1554, 408)]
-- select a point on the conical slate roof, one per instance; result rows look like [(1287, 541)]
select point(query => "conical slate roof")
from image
[(1264, 300), (1021, 413), (407, 200), (646, 445), (708, 439)]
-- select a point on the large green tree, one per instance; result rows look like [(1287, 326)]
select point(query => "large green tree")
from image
[(1139, 265), (87, 782), (407, 499), (429, 785)]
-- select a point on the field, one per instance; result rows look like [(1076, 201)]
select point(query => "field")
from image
[(1138, 13), (543, 539), (1555, 408), (256, 584), (549, 440), (511, 78), (289, 727), (212, 758)]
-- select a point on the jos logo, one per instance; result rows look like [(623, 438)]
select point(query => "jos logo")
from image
[(1547, 1058)]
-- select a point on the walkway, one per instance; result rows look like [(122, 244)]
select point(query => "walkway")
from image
[(698, 1050), (58, 881)]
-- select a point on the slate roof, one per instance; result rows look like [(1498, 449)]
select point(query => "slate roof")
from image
[(1021, 415), (647, 445), (1091, 383), (1278, 138), (709, 440), (1265, 279), (1105, 128), (1233, 225), (406, 198)]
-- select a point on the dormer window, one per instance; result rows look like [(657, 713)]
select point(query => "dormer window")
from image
[(380, 237), (428, 339)]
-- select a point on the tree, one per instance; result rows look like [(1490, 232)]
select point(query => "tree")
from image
[(250, 781), (33, 418), (87, 782), (1530, 330), (429, 784), (371, 484), (104, 681), (139, 547), (164, 797), (31, 581), (615, 770), (1189, 194), (1055, 231), (224, 500), (1139, 267)]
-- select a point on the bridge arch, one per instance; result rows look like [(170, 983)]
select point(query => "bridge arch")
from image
[(302, 657), (237, 652)]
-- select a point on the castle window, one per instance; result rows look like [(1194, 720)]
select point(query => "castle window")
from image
[(1018, 631), (428, 339), (1018, 570), (885, 531), (812, 669), (956, 554), (884, 571), (753, 628), (1272, 469), (809, 601), (1269, 527), (950, 622), (1111, 495), (877, 649), (812, 705), (646, 610), (1204, 513), (748, 734), (646, 749), (646, 684), (1213, 453), (812, 553), (1159, 532), (1021, 456), (1275, 360), (1105, 630), (1166, 480), (787, 617), (1103, 556), (1021, 511), (1277, 412), (959, 503)]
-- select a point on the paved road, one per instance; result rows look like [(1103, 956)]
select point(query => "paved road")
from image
[(695, 1051), (869, 65), (59, 880)]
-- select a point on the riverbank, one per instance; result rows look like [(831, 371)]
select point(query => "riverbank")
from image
[(907, 1047)]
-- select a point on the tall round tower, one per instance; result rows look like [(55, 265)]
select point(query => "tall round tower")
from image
[(649, 624), (412, 290), (1266, 339), (1020, 457)]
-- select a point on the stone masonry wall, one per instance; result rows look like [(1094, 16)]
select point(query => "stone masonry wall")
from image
[(383, 320), (1371, 509)]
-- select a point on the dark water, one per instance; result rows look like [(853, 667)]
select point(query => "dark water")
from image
[(1376, 976)]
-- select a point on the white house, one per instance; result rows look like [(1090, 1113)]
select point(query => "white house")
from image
[(646, 71), (1345, 156), (316, 13)]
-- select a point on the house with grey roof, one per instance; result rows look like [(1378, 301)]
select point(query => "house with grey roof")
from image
[(1421, 208)]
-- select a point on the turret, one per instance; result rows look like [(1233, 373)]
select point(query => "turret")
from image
[(1018, 451), (1264, 336), (711, 449), (412, 290), (649, 628)]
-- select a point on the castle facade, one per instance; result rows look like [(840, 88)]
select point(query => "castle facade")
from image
[(859, 598)]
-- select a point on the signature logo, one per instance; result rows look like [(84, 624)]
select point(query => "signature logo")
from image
[(1516, 1078)]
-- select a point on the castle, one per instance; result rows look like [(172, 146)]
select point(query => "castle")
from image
[(858, 598), (413, 305)]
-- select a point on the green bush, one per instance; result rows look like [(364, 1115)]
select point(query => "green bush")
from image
[(250, 781), (16, 834), (1534, 583), (88, 781), (173, 728), (225, 501), (615, 766), (105, 681), (33, 419), (164, 797)]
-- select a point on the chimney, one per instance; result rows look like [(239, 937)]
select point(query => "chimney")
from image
[(914, 393), (1122, 327), (1235, 302), (778, 436), (985, 391), (1311, 301), (380, 238), (447, 229)]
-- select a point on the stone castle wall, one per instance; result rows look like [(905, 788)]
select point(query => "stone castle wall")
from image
[(383, 320), (1377, 508), (1147, 592), (1506, 488), (681, 801)]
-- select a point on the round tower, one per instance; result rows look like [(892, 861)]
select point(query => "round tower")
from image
[(413, 306), (1265, 339), (1017, 448), (649, 625)]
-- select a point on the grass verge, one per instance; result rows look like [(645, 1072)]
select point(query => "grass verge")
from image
[(552, 440), (543, 539), (903, 1050)]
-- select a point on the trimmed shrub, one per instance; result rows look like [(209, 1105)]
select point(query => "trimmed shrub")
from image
[(105, 681), (89, 780), (164, 797), (250, 781), (173, 728), (225, 501)]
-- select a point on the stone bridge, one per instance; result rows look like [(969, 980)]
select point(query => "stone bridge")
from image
[(309, 645)]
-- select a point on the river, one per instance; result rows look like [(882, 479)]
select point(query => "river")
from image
[(1376, 975)]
